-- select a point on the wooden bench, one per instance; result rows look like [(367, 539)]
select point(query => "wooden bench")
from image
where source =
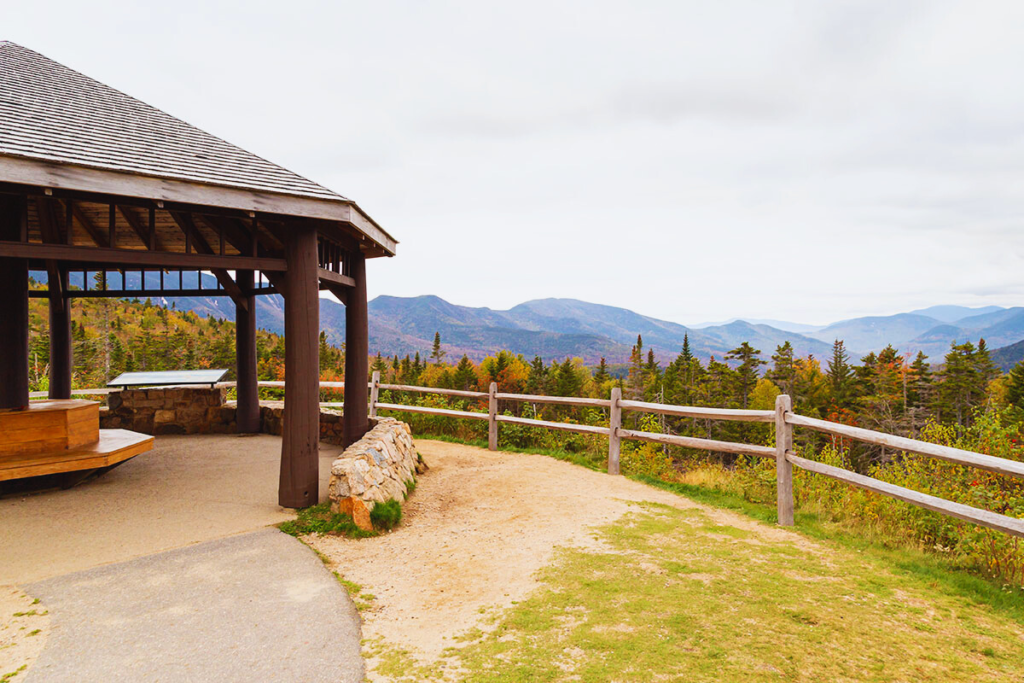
[(54, 437)]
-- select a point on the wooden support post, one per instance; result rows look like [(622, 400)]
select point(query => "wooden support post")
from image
[(355, 418), (614, 424), (13, 307), (783, 467), (492, 417), (300, 458), (248, 413), (374, 393), (61, 361)]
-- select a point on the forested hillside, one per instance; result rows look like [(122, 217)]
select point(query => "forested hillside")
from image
[(112, 336)]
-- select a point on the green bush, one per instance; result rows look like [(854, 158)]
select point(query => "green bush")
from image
[(386, 516)]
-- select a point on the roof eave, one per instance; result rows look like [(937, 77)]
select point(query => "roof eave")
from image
[(50, 174)]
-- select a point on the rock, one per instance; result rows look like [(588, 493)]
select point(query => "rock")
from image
[(357, 509), (375, 469)]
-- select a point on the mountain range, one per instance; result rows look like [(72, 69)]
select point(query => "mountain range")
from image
[(557, 328)]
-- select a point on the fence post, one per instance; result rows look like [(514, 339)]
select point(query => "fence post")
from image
[(783, 467), (374, 393), (614, 422), (492, 417)]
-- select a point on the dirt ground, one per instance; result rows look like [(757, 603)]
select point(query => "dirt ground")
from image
[(24, 626), (475, 531)]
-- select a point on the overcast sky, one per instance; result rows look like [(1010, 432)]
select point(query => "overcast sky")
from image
[(694, 161)]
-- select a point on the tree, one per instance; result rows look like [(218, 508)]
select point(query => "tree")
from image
[(840, 375), (686, 353), (783, 372), (601, 376), (437, 353), (1015, 386), (747, 372), (465, 374), (635, 380)]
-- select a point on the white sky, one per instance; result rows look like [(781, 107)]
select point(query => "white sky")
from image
[(694, 161)]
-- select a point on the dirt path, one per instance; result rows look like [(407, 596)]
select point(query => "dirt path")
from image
[(476, 530)]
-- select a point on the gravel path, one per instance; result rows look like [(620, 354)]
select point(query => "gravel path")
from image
[(255, 607)]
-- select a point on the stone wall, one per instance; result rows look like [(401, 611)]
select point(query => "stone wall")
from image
[(377, 468), (197, 410), (272, 422), (170, 410)]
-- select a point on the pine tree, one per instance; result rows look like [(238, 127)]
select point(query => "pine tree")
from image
[(783, 372), (747, 372), (437, 353), (465, 375), (1015, 386), (536, 381), (840, 376), (686, 354), (601, 376), (635, 380)]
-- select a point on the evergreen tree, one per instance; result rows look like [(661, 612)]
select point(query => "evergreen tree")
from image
[(747, 372), (465, 375), (437, 353), (1015, 387), (783, 372), (840, 376), (601, 376), (686, 354), (536, 381)]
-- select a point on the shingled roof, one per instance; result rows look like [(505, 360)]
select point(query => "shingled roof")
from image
[(53, 113)]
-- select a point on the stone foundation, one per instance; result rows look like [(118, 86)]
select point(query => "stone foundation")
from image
[(377, 468), (172, 410), (197, 410)]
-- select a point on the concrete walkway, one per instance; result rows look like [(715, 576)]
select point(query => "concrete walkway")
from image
[(188, 489), (255, 607)]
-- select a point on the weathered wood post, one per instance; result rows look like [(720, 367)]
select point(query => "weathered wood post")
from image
[(60, 335), (783, 467), (492, 417), (355, 416), (13, 307), (300, 443), (374, 393), (247, 415), (614, 423)]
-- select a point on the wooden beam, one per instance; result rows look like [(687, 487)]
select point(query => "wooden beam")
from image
[(142, 293), (61, 347), (188, 226), (97, 237), (135, 257), (46, 174), (355, 419), (300, 472), (328, 276), (248, 413), (147, 238), (13, 307)]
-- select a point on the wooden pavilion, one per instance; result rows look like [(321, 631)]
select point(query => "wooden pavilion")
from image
[(94, 181)]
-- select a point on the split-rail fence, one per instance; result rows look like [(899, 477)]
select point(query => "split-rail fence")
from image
[(783, 418)]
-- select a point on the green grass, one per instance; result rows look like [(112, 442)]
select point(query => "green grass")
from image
[(676, 595), (319, 519), (386, 516), (900, 558)]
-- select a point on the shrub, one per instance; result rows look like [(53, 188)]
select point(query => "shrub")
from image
[(386, 516)]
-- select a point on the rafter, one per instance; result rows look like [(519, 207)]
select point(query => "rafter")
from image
[(188, 226), (97, 237), (149, 239)]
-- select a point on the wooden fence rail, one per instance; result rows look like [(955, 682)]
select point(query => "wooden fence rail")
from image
[(783, 418)]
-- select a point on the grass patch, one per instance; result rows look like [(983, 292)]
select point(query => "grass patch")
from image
[(318, 519), (386, 516), (925, 566), (673, 598), (8, 676)]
